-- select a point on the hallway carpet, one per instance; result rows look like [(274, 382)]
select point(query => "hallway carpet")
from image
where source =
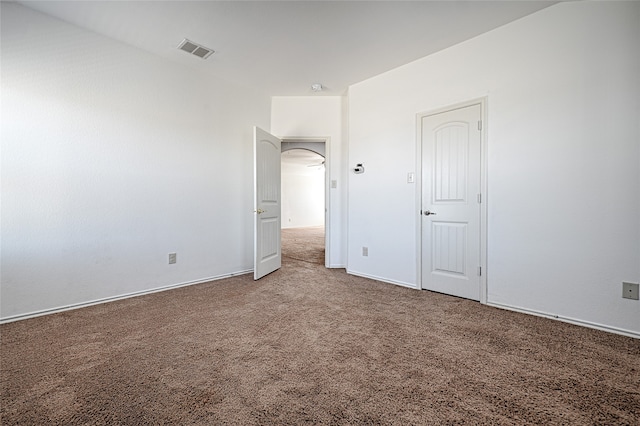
[(309, 345), (306, 244)]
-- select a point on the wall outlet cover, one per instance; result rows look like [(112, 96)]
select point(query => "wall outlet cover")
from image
[(630, 290)]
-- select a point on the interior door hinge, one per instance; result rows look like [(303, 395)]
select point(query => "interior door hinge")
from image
[(480, 125), (479, 271), (479, 198)]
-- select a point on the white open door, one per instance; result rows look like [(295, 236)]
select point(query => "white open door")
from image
[(451, 173), (267, 228)]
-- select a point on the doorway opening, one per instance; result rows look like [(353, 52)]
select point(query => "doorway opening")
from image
[(304, 201)]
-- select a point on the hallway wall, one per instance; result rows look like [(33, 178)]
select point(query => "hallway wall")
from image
[(563, 146), (303, 192)]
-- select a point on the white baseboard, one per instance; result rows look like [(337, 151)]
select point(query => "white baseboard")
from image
[(589, 324), (384, 280), (602, 327), (119, 297), (575, 321)]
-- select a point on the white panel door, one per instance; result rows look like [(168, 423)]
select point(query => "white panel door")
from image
[(450, 215), (266, 162)]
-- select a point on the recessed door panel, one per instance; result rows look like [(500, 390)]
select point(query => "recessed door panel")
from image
[(450, 161), (449, 248), (269, 239)]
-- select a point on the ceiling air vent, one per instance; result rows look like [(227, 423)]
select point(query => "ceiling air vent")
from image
[(195, 49)]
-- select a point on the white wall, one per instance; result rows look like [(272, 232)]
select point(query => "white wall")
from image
[(303, 191), (320, 116), (563, 88), (111, 159)]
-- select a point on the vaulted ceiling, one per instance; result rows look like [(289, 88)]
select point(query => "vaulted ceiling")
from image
[(283, 47)]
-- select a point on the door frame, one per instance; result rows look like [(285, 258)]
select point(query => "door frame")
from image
[(483, 188), (327, 187)]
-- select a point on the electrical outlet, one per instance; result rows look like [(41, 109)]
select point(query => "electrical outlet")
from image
[(630, 290), (173, 258), (365, 251)]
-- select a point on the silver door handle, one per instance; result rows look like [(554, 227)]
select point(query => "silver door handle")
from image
[(260, 211), (428, 213)]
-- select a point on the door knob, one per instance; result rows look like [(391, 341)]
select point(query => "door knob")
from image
[(260, 211), (428, 213)]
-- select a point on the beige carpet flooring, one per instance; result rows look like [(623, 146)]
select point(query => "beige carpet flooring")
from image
[(305, 244), (309, 345)]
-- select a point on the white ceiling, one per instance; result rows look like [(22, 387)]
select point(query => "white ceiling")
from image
[(282, 47)]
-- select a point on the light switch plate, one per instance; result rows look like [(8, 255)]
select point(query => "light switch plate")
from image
[(630, 290)]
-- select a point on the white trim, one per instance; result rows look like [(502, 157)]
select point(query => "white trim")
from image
[(418, 203), (484, 191), (119, 297), (328, 235), (382, 280), (589, 324), (483, 101)]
